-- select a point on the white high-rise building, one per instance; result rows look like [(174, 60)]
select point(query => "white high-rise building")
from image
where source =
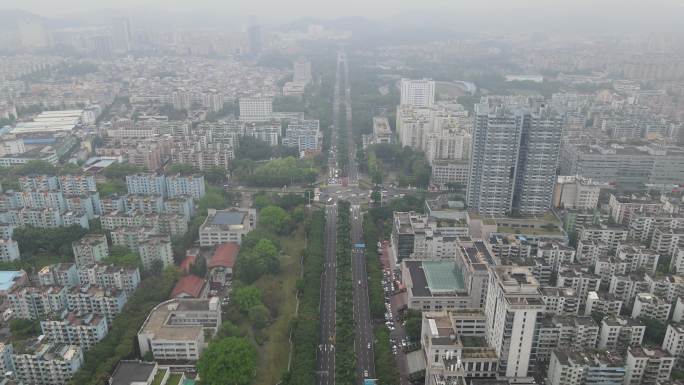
[(180, 185), (83, 331), (418, 93), (146, 184), (302, 71), (512, 307), (47, 363), (256, 109)]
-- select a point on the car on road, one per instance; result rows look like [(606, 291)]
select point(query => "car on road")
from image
[(369, 345), (365, 374)]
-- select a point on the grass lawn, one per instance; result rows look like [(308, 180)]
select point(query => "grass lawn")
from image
[(174, 379), (159, 377), (274, 353)]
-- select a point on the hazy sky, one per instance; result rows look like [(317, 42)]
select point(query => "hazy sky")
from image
[(374, 8), (539, 15)]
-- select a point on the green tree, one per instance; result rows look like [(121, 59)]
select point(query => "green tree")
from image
[(199, 268), (231, 360), (275, 219), (655, 331), (259, 316), (181, 168), (215, 176), (246, 297), (228, 329), (36, 167), (24, 328), (120, 170)]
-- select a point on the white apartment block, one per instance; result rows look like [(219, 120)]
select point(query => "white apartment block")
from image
[(303, 134), (666, 240), (58, 274), (85, 331), (148, 204), (560, 301), (450, 171), (513, 303), (611, 236), (624, 208), (575, 192), (30, 302), (449, 356), (135, 219), (174, 225), (617, 334), (648, 305), (647, 366), (418, 93), (38, 182), (667, 287), (89, 249), (678, 312), (131, 237), (6, 363), (223, 226), (47, 363), (192, 185), (122, 278), (627, 287), (565, 332), (580, 279), (602, 303), (677, 260), (38, 200), (42, 218), (96, 300), (589, 252), (268, 132), (556, 254), (175, 329), (146, 184), (77, 184), (9, 250), (637, 257), (673, 342), (156, 248), (255, 109), (568, 367)]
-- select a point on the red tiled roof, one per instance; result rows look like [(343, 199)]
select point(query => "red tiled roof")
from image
[(189, 285), (225, 255)]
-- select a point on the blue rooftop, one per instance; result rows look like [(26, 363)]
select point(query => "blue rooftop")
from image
[(7, 278), (228, 218)]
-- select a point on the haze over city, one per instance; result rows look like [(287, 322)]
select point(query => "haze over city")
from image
[(341, 193)]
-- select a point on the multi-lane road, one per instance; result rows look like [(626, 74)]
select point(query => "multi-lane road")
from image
[(326, 346), (363, 342)]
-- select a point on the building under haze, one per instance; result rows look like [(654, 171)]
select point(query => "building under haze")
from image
[(514, 158), (417, 93)]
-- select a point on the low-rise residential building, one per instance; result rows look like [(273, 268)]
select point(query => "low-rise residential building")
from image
[(97, 300), (579, 278), (626, 287), (185, 185), (647, 366), (59, 274), (122, 278), (31, 302), (9, 250), (648, 305), (6, 352), (611, 236), (156, 248), (673, 342), (617, 333), (565, 332), (221, 264), (46, 363), (568, 367), (175, 329), (560, 300), (90, 248), (146, 184), (602, 303), (223, 226), (83, 331)]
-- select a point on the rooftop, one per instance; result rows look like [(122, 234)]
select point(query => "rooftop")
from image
[(9, 278), (188, 286), (224, 255), (128, 372), (435, 278)]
